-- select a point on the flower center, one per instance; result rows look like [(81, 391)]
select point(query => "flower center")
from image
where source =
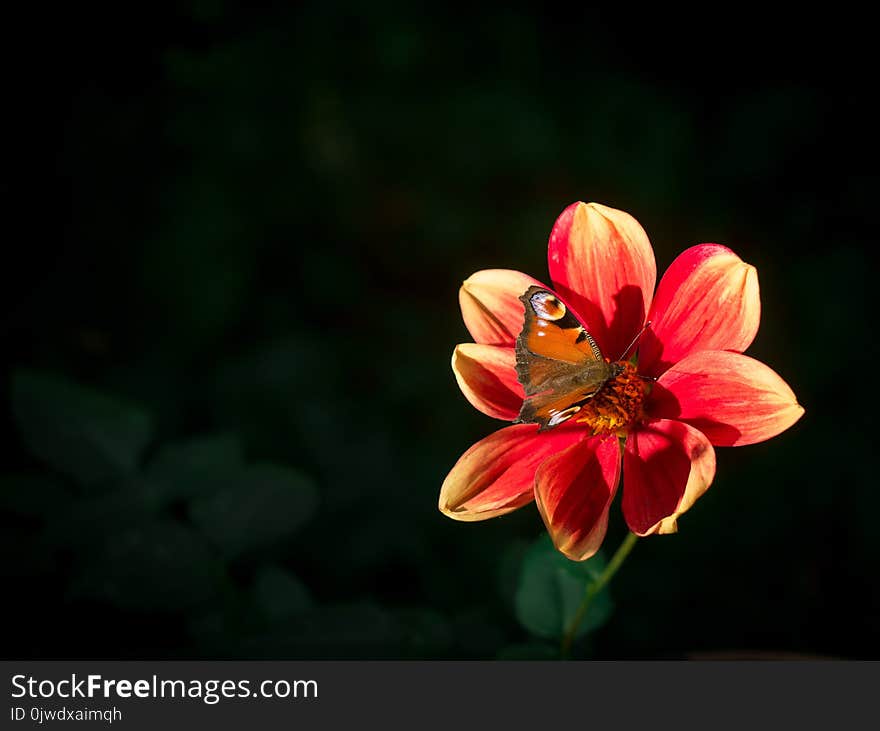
[(617, 405)]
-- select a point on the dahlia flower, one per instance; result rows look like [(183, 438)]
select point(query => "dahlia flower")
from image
[(655, 423)]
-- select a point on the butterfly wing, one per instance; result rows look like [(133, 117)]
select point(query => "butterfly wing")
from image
[(557, 361)]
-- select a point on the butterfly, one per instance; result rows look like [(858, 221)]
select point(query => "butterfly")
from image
[(558, 363)]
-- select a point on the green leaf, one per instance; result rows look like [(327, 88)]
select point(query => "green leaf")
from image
[(194, 467), (280, 595), (258, 506), (552, 587), (78, 431)]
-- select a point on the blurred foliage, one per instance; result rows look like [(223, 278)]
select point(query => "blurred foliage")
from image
[(81, 433), (239, 233), (551, 589)]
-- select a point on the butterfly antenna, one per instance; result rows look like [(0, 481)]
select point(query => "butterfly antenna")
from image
[(634, 341)]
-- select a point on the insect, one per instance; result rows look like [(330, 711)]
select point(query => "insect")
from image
[(558, 363)]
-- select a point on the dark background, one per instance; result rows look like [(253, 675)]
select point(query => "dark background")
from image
[(233, 247)]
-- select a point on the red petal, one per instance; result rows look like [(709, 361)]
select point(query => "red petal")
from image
[(574, 490), (708, 299), (667, 465), (490, 304), (731, 398), (497, 474), (601, 262), (486, 375)]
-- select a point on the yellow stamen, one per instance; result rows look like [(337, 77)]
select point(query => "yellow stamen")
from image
[(617, 405)]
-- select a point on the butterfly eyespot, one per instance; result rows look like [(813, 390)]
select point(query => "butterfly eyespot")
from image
[(560, 416), (547, 306)]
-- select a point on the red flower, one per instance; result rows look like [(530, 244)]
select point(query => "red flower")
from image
[(704, 314)]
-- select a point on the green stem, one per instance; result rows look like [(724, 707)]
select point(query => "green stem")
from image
[(593, 588)]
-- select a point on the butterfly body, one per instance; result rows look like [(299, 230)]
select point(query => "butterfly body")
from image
[(558, 363)]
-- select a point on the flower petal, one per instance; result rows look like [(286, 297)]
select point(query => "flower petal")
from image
[(490, 304), (602, 263), (574, 490), (708, 299), (497, 474), (731, 398), (667, 466), (486, 375)]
